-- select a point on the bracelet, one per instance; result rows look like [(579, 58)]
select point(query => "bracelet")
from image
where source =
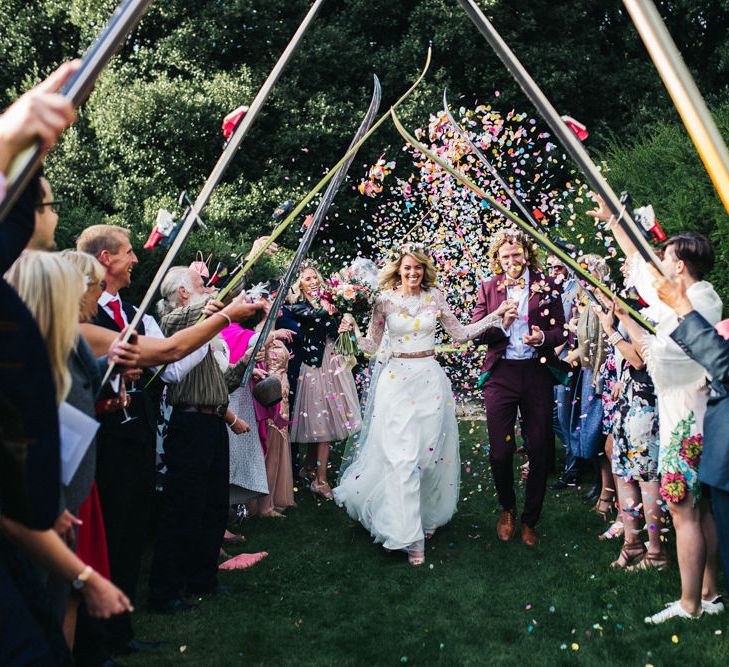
[(233, 423), (615, 338), (80, 581), (225, 315)]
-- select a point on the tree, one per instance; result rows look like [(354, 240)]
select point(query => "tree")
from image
[(151, 127)]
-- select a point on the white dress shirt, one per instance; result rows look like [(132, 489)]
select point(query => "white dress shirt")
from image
[(173, 372), (517, 348)]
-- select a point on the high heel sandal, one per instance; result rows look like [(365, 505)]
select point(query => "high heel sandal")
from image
[(604, 506), (651, 562), (323, 489), (630, 553)]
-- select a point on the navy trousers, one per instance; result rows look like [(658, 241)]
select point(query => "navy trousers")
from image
[(194, 510)]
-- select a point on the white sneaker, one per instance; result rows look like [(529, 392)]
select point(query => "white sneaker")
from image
[(672, 610), (715, 606)]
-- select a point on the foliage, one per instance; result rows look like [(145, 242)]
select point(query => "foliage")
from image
[(150, 129)]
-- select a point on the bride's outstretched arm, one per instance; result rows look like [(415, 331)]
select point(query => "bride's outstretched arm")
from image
[(375, 330), (463, 332)]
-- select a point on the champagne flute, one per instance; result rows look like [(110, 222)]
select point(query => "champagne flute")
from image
[(123, 396)]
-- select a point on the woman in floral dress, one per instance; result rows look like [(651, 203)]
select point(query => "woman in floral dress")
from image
[(635, 454)]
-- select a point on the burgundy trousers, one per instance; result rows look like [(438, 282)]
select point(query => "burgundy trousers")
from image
[(525, 385)]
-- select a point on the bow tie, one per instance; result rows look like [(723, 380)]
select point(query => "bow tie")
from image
[(519, 283)]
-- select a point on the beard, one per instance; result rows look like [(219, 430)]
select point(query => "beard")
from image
[(197, 299), (514, 270)]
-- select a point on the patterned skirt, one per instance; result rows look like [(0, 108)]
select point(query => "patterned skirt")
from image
[(635, 429)]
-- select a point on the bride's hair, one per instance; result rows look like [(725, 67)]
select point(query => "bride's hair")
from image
[(390, 274), (296, 293)]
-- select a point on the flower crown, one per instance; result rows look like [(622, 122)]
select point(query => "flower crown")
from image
[(308, 264), (406, 249)]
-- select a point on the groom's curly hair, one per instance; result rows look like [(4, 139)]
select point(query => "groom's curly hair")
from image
[(511, 235)]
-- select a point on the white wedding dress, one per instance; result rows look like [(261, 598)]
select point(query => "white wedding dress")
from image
[(405, 473)]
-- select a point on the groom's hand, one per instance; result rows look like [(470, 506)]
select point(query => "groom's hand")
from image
[(535, 338)]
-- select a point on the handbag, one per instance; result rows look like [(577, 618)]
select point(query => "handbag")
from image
[(268, 391)]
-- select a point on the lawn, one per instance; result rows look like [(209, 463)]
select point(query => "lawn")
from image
[(327, 596)]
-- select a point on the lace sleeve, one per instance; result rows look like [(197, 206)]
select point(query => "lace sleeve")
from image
[(371, 342), (463, 332)]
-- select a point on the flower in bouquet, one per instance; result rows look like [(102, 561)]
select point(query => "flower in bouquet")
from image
[(352, 290)]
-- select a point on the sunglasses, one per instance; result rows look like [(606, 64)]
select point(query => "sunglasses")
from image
[(55, 205)]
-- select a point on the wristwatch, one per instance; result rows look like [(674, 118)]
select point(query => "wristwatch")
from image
[(79, 582)]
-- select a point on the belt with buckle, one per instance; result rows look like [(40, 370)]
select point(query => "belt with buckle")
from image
[(218, 410), (414, 355)]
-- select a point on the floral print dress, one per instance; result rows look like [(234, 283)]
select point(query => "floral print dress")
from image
[(635, 427)]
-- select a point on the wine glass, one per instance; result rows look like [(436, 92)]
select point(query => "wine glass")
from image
[(123, 397)]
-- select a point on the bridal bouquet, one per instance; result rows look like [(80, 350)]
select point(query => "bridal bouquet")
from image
[(352, 291)]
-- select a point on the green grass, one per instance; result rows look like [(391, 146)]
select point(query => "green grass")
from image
[(327, 596)]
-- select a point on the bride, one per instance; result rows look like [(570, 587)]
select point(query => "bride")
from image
[(404, 480)]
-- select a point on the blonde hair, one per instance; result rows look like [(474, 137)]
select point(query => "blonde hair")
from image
[(51, 288), (595, 264), (97, 238), (516, 236), (91, 268), (390, 273), (296, 293)]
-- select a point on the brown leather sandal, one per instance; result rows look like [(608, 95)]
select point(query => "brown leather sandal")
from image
[(630, 553), (604, 506), (651, 562)]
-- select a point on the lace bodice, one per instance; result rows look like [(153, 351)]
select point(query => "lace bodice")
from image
[(411, 322)]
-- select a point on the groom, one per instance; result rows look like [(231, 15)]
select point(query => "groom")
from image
[(517, 372)]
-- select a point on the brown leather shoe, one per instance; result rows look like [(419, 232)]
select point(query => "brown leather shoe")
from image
[(529, 535), (506, 527)]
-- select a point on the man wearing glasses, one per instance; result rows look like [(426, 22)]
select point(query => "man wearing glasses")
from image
[(46, 218)]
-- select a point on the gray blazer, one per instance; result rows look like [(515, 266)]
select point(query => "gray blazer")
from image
[(704, 345), (86, 379)]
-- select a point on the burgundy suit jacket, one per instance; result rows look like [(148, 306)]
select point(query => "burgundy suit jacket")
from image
[(545, 311)]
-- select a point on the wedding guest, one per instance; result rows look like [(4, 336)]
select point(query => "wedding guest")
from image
[(681, 388), (273, 426), (194, 508), (520, 352), (326, 407), (635, 452), (698, 339), (126, 448), (82, 522), (557, 270), (587, 440), (248, 479), (51, 288)]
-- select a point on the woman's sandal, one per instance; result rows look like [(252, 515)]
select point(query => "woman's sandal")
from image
[(651, 562), (630, 552), (323, 489), (604, 506), (617, 529), (429, 534)]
